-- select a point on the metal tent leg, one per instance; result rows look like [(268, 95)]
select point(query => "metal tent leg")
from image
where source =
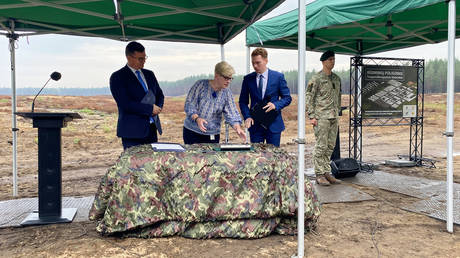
[(13, 37)]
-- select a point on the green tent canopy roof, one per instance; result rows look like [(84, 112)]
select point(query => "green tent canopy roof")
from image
[(357, 26), (203, 21)]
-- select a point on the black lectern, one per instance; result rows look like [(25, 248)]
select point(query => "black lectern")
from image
[(49, 168)]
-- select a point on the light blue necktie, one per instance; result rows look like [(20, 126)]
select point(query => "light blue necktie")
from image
[(261, 85), (139, 77)]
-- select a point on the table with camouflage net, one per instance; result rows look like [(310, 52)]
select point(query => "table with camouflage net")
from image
[(202, 193)]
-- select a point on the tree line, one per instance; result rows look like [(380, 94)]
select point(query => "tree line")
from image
[(435, 75), (435, 82)]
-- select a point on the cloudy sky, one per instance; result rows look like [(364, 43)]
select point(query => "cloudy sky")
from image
[(88, 62)]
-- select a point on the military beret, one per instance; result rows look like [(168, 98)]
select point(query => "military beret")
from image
[(326, 55)]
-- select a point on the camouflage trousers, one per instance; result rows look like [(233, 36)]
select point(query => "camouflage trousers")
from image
[(325, 134)]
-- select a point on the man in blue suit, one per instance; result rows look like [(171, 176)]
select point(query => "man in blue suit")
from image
[(138, 120), (268, 85)]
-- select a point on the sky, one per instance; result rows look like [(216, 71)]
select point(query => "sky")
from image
[(88, 62)]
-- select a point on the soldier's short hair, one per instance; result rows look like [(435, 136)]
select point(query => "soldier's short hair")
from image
[(260, 52), (224, 68)]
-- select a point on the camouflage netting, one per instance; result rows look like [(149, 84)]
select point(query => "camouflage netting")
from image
[(202, 193)]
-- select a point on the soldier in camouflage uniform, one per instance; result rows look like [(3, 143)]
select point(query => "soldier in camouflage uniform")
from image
[(323, 102)]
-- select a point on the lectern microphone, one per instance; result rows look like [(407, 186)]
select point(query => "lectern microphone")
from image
[(55, 76)]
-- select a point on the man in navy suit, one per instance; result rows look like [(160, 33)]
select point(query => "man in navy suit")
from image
[(138, 120), (268, 85)]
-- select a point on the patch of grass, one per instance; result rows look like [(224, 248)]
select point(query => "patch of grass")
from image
[(76, 140), (70, 127), (4, 100), (436, 106), (87, 111), (441, 107), (110, 120), (41, 98), (106, 129)]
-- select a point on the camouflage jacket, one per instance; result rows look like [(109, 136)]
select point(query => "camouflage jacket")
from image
[(202, 193), (323, 96)]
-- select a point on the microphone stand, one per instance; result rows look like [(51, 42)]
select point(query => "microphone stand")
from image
[(55, 76)]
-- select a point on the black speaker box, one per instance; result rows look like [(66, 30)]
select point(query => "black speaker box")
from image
[(347, 167)]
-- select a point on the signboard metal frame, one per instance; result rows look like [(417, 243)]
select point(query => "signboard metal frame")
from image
[(357, 121)]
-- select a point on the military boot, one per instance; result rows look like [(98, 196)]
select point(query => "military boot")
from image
[(321, 180), (332, 179)]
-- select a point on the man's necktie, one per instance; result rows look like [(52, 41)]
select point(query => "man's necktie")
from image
[(139, 77), (261, 85), (153, 119)]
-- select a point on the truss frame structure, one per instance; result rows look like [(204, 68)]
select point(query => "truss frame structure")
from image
[(357, 122)]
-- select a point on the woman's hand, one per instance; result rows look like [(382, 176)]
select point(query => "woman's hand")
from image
[(240, 132), (201, 122)]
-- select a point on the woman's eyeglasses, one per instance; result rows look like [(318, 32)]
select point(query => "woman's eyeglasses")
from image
[(227, 78)]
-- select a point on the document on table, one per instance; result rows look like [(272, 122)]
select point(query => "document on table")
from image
[(158, 146), (224, 147)]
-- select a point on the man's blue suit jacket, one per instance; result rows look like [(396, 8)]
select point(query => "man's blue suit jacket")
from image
[(277, 93), (133, 116)]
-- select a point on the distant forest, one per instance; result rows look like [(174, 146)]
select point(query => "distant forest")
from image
[(435, 82)]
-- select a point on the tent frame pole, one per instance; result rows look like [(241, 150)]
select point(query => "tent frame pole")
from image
[(450, 113), (222, 58), (222, 52), (248, 60), (301, 128), (248, 70), (12, 39)]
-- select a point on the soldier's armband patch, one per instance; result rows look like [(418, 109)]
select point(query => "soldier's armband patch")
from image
[(310, 86)]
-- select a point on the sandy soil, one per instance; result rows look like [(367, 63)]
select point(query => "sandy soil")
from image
[(362, 229)]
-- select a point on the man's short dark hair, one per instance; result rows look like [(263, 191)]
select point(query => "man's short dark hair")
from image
[(132, 47)]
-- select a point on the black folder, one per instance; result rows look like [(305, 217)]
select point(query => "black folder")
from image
[(149, 98), (265, 119)]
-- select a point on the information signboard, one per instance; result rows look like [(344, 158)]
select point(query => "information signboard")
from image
[(389, 91)]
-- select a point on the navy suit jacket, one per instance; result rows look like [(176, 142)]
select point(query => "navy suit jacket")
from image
[(133, 116), (277, 93)]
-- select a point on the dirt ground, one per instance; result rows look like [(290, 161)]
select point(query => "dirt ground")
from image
[(376, 228)]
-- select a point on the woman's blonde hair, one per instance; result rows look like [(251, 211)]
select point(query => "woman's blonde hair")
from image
[(223, 68)]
